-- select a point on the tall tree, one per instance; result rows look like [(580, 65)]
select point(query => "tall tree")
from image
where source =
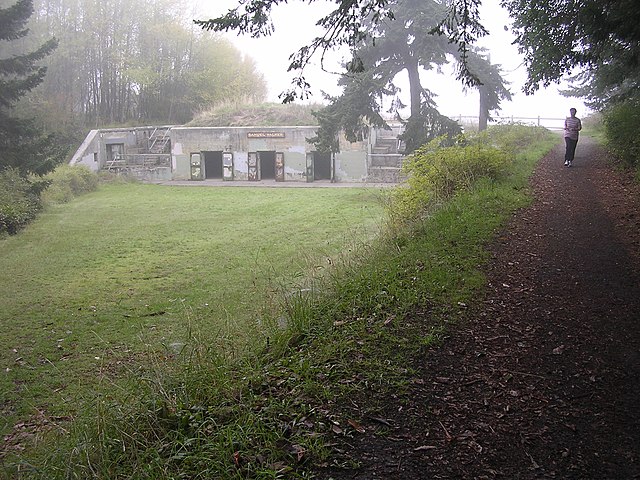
[(601, 37), (402, 48), (352, 22), (21, 142), (492, 88)]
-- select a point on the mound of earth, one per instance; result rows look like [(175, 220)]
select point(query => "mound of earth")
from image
[(258, 115)]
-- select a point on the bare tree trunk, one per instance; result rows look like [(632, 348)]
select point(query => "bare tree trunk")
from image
[(483, 116), (415, 87)]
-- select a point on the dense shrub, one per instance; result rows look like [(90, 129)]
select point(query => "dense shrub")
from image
[(621, 130), (435, 173), (67, 182), (19, 201)]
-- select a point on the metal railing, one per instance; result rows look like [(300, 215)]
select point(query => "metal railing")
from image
[(159, 138), (138, 161)]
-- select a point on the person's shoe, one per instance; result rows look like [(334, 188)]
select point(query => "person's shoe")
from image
[(566, 164), (569, 164)]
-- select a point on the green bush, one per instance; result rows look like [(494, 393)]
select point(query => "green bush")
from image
[(19, 201), (621, 130), (68, 182), (436, 173), (513, 138)]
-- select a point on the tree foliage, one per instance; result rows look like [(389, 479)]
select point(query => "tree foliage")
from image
[(137, 62), (403, 47), (22, 143), (601, 38), (492, 87), (621, 127), (350, 24)]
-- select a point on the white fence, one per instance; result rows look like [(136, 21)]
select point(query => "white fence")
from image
[(550, 123)]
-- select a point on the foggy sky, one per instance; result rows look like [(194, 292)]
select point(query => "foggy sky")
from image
[(294, 25)]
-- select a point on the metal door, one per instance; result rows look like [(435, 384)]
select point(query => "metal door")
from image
[(196, 167), (253, 167), (310, 167), (279, 167), (227, 166)]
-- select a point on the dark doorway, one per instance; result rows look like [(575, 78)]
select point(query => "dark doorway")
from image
[(267, 165), (321, 166), (213, 164)]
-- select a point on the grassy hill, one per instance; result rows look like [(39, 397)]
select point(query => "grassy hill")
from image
[(260, 115)]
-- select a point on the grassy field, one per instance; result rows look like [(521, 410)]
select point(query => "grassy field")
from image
[(131, 272), (229, 406)]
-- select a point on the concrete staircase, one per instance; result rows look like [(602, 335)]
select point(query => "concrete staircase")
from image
[(384, 159)]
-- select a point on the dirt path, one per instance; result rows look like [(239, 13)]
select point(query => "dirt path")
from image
[(543, 381)]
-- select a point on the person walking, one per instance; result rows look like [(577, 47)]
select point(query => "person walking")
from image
[(572, 125)]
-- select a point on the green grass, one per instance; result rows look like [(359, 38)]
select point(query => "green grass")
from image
[(96, 286), (345, 345)]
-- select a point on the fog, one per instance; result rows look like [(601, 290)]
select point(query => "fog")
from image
[(295, 26)]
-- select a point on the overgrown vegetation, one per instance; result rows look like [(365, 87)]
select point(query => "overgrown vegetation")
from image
[(436, 172), (344, 335), (621, 130), (68, 182), (19, 201), (21, 198), (258, 115), (440, 169)]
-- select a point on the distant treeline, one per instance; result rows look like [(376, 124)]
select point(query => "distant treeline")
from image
[(122, 62)]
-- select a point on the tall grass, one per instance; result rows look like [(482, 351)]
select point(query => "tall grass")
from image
[(347, 334)]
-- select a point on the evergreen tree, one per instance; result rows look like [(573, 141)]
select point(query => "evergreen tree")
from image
[(596, 41), (405, 47), (22, 144)]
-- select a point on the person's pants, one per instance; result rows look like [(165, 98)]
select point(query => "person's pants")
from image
[(570, 152)]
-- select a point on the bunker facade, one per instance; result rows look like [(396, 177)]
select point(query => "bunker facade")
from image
[(281, 154)]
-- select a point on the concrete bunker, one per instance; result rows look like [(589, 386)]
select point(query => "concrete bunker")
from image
[(281, 154)]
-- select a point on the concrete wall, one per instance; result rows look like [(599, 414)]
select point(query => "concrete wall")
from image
[(239, 141), (93, 150), (350, 164), (88, 154), (291, 141)]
